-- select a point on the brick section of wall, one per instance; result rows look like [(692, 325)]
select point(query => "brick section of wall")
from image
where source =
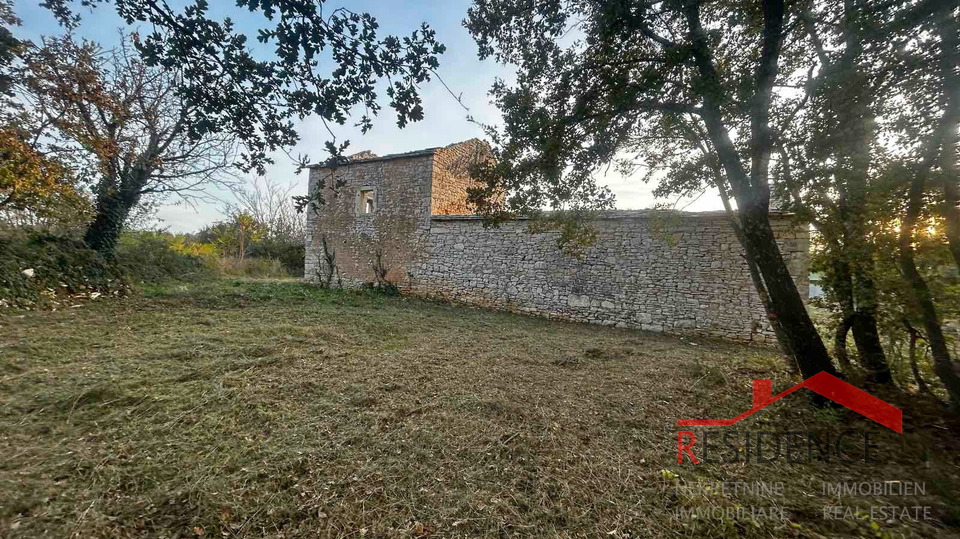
[(451, 176), (397, 226), (680, 274)]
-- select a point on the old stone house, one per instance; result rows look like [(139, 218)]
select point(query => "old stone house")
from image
[(672, 272)]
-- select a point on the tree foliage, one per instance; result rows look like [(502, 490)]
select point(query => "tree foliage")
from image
[(601, 81), (122, 126), (30, 180), (864, 160), (234, 235), (32, 184), (227, 89), (10, 46), (776, 105)]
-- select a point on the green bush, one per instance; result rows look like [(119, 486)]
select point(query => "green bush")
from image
[(289, 254), (153, 257), (36, 267), (252, 267)]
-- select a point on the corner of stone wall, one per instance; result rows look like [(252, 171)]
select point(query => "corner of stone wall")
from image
[(451, 176)]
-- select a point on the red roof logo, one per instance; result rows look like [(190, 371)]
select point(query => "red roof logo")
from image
[(822, 383)]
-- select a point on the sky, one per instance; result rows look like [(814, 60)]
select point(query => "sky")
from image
[(445, 119)]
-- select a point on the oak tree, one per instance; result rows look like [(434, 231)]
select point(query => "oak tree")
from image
[(598, 80)]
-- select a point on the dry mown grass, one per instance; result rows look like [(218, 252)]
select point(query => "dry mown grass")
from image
[(250, 409)]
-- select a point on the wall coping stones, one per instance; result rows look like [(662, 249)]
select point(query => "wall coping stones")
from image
[(390, 157), (620, 214)]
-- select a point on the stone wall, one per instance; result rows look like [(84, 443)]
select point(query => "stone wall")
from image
[(396, 228), (664, 272), (671, 272)]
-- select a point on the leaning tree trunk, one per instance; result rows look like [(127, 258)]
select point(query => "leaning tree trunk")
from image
[(912, 351), (867, 338), (787, 305), (840, 342), (759, 241), (859, 319), (841, 285), (782, 340), (943, 364), (755, 276), (847, 90), (866, 335), (796, 334)]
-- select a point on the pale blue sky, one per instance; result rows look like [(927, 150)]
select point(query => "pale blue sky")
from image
[(445, 120)]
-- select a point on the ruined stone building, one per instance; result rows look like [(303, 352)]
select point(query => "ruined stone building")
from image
[(671, 272)]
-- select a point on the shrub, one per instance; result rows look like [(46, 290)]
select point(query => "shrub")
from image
[(252, 267), (37, 266), (152, 257), (182, 244), (290, 254)]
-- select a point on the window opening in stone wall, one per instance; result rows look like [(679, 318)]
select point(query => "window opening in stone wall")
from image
[(367, 204)]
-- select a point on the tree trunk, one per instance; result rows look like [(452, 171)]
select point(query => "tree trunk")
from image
[(787, 305), (758, 284), (752, 192), (861, 320), (949, 31), (859, 310), (755, 276), (841, 285), (867, 338), (112, 212), (912, 352), (848, 90), (114, 205), (840, 342), (241, 249), (797, 332), (943, 364)]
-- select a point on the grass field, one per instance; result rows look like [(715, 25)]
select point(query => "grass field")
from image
[(274, 409)]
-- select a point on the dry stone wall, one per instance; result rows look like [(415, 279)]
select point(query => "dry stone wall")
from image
[(673, 273)]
